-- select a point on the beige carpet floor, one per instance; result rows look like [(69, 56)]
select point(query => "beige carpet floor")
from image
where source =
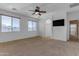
[(39, 47)]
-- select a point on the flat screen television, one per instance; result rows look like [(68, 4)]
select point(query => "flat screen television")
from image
[(59, 22)]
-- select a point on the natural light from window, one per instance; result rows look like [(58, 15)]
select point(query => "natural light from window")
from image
[(6, 24), (10, 24), (32, 26)]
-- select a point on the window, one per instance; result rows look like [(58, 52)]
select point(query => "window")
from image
[(16, 24), (6, 24), (29, 25), (32, 26), (10, 24)]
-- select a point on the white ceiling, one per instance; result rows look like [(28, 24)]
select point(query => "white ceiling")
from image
[(23, 8)]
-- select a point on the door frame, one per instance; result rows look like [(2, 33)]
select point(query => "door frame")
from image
[(73, 22)]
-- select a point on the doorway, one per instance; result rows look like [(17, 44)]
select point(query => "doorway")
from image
[(73, 29)]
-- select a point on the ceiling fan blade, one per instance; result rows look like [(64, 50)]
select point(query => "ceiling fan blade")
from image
[(42, 11)]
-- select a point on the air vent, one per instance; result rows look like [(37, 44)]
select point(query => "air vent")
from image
[(74, 5)]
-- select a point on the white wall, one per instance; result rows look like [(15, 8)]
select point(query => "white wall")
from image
[(73, 15), (9, 36), (59, 33), (45, 25)]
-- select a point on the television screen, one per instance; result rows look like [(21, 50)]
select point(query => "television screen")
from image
[(59, 22)]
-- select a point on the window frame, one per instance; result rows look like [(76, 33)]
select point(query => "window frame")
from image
[(11, 23), (2, 25), (32, 26), (19, 25)]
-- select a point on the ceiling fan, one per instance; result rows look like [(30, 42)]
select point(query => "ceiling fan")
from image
[(37, 11)]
